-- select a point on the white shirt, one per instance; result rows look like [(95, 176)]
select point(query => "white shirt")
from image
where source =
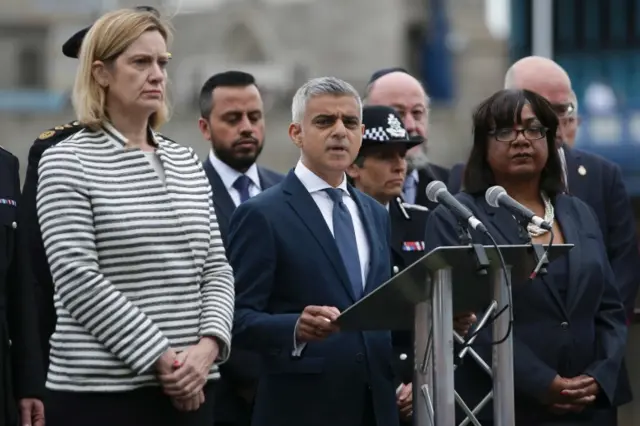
[(563, 163), (316, 186), (229, 176)]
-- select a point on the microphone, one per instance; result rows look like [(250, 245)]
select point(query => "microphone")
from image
[(437, 193), (497, 196)]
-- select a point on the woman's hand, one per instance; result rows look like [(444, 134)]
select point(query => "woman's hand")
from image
[(189, 404), (191, 368), (164, 364)]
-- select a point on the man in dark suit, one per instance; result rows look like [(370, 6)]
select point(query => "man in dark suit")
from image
[(21, 374), (302, 252), (232, 120), (396, 88), (593, 179)]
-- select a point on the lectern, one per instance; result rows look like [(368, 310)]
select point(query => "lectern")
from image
[(424, 298)]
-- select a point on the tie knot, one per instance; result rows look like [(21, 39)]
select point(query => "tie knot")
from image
[(242, 183), (335, 194)]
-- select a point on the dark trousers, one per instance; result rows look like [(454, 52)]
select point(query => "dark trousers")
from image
[(369, 416), (147, 406)]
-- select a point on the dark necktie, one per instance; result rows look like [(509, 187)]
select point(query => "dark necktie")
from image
[(345, 236), (242, 185)]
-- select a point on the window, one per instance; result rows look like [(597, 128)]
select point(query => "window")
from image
[(27, 56), (30, 68)]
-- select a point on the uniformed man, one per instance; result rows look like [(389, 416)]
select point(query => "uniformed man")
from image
[(379, 170), (21, 374), (33, 237)]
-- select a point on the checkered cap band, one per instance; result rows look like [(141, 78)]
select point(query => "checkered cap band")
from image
[(376, 134)]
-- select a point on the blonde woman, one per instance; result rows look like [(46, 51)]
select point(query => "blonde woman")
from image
[(143, 291)]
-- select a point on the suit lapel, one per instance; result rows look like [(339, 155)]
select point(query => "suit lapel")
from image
[(305, 207), (511, 234), (504, 223), (222, 201), (175, 187), (571, 236), (576, 181), (374, 250)]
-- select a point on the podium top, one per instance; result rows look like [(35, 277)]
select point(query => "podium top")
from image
[(391, 305)]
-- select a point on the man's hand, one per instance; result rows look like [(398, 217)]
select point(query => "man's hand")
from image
[(31, 412), (404, 399), (192, 368), (316, 323), (463, 322)]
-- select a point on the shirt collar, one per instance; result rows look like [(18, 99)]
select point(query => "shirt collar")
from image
[(121, 140), (230, 175), (314, 183)]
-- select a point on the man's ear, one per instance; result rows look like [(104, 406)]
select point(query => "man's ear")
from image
[(204, 128), (295, 133), (354, 172)]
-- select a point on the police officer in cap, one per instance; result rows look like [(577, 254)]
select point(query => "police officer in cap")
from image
[(379, 170), (21, 373), (29, 216)]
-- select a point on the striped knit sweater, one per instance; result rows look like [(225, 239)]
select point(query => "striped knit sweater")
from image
[(138, 264)]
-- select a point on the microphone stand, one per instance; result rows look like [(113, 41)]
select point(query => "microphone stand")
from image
[(538, 249), (479, 253)]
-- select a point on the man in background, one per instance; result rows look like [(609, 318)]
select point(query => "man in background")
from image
[(396, 88), (232, 121), (593, 179)]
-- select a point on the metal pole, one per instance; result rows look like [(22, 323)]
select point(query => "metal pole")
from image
[(422, 372), (442, 317), (502, 365), (542, 28)]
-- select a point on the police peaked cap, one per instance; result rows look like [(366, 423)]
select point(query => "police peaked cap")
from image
[(71, 48)]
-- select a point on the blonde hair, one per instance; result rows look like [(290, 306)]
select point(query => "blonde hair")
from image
[(107, 39)]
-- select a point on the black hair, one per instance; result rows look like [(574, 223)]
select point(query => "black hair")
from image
[(503, 109), (223, 79)]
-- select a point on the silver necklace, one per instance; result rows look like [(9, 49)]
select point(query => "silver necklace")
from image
[(549, 215)]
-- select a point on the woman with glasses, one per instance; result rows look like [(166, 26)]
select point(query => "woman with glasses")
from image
[(569, 325)]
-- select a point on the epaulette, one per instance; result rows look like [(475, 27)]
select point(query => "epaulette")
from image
[(61, 132), (406, 206)]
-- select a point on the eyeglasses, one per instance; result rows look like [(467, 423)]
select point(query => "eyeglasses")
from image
[(564, 110), (510, 135)]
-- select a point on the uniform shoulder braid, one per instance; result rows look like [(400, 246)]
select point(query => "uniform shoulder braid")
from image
[(415, 207), (60, 132)]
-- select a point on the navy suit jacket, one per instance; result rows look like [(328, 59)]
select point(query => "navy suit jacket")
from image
[(584, 335), (454, 185), (285, 258), (242, 370), (602, 188)]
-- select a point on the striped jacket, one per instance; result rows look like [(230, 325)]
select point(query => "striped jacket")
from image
[(138, 265)]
